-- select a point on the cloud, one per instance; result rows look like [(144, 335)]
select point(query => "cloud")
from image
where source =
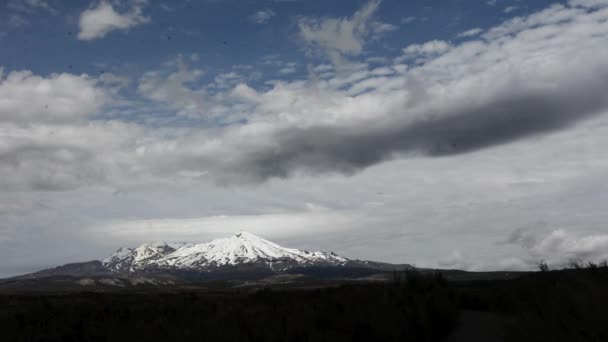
[(323, 149), (48, 141), (408, 20), (21, 9), (220, 226), (339, 37), (525, 96), (173, 88), (17, 21), (493, 132), (566, 245), (262, 16), (61, 157), (454, 261), (560, 246), (166, 8), (58, 98), (288, 68), (510, 9), (589, 3), (379, 29), (227, 80), (29, 6), (470, 33), (429, 49), (97, 22), (526, 78), (554, 16)]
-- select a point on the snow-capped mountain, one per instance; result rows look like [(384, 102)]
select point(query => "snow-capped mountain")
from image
[(240, 259), (238, 250)]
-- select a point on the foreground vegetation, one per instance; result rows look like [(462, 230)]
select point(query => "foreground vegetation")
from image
[(563, 305)]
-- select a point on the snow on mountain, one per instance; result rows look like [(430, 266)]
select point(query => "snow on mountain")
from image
[(241, 249), (129, 259)]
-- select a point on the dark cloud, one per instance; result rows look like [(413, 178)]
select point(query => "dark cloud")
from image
[(48, 167), (348, 149)]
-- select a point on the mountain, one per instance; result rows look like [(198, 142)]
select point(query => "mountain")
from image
[(241, 259), (239, 250)]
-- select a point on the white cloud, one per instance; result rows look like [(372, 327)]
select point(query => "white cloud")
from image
[(262, 16), (227, 80), (173, 88), (589, 3), (565, 245), (288, 68), (408, 20), (471, 33), (17, 21), (97, 22), (166, 8), (28, 98), (427, 50), (21, 9), (339, 36), (560, 247), (29, 6), (378, 29), (551, 17)]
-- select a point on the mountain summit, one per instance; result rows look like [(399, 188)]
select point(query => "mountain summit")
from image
[(238, 250)]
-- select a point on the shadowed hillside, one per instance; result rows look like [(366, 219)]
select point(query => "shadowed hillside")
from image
[(565, 305)]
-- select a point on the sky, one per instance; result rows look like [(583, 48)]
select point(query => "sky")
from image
[(451, 134)]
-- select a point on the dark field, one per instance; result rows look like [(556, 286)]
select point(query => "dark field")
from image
[(567, 305)]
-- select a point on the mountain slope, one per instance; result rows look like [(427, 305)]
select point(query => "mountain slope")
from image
[(81, 269), (130, 259)]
